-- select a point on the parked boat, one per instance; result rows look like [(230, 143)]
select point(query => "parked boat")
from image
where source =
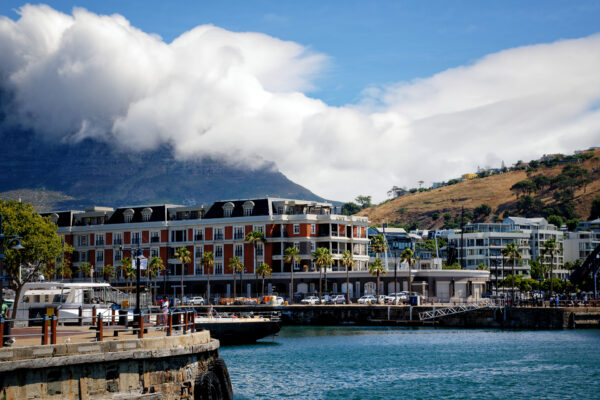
[(242, 329)]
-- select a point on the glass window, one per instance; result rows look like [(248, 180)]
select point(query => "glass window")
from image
[(117, 238), (154, 237), (296, 229), (218, 251), (218, 268), (238, 232), (238, 250), (218, 234), (100, 256), (313, 229)]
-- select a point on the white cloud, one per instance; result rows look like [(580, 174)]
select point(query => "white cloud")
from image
[(242, 96)]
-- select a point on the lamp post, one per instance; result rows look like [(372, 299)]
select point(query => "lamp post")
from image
[(6, 242), (137, 254)]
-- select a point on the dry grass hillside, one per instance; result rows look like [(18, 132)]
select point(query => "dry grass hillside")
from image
[(493, 190)]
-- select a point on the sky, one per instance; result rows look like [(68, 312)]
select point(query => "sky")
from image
[(345, 98)]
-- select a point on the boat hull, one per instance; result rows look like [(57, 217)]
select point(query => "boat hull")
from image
[(242, 332)]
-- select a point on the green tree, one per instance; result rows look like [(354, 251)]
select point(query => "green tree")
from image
[(42, 245), (64, 270), (184, 256), (572, 224), (350, 208), (512, 254), (208, 260), (291, 256), (555, 220), (109, 272), (263, 270), (128, 270), (537, 269), (155, 267), (408, 256), (363, 201), (347, 261), (86, 269), (551, 248), (482, 267), (255, 237), (321, 258), (482, 211), (376, 268), (236, 266)]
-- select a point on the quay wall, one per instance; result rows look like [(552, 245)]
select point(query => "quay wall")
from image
[(517, 318), (150, 368)]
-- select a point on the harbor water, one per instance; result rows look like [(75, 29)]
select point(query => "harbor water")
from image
[(425, 363)]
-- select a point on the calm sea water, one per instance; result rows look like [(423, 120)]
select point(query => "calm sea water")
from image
[(396, 363)]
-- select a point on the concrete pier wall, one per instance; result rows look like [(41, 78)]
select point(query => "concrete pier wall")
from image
[(149, 368)]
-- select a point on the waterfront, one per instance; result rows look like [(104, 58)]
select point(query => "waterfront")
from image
[(406, 363)]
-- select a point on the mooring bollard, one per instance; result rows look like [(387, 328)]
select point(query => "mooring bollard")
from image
[(141, 326), (80, 322), (94, 315), (53, 325), (1, 331), (170, 323), (45, 330), (99, 329)]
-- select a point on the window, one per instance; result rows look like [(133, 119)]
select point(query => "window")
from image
[(199, 270), (218, 234), (146, 214), (178, 236), (248, 206), (218, 268), (198, 251), (100, 256), (117, 238), (238, 250), (100, 239), (259, 249), (198, 234), (313, 247), (154, 237), (247, 212), (259, 228), (238, 232), (218, 251), (296, 229), (135, 238), (117, 256), (82, 240), (154, 252), (313, 229), (128, 215), (228, 209)]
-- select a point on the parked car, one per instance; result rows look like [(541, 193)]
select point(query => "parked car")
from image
[(196, 301), (337, 299), (367, 299), (278, 301), (395, 298), (310, 300)]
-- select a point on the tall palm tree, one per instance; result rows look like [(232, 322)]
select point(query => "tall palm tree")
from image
[(378, 245), (408, 256), (208, 260), (291, 256), (184, 256), (128, 270), (551, 248), (347, 261), (254, 238), (155, 267), (236, 266), (321, 258), (377, 268), (264, 270), (109, 272), (512, 254)]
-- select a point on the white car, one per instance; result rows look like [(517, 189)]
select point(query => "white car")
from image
[(395, 298), (367, 299), (310, 300), (278, 301), (196, 301)]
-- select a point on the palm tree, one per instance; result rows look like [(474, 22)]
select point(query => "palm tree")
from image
[(254, 238), (291, 256), (408, 256), (511, 253), (155, 267), (86, 269), (236, 266), (109, 272), (321, 258), (348, 262), (184, 256), (264, 270), (128, 270), (550, 247), (377, 268), (208, 260)]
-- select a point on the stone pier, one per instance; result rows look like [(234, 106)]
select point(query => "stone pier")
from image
[(166, 367)]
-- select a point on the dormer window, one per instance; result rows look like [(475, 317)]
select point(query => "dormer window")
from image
[(54, 218), (128, 215), (228, 209), (146, 214), (248, 208)]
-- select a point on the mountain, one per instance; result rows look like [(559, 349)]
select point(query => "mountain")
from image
[(72, 176), (567, 193)]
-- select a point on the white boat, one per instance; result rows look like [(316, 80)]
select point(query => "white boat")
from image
[(37, 297)]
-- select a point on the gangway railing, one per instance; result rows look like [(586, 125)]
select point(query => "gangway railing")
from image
[(456, 309)]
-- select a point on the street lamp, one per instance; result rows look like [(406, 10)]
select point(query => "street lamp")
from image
[(6, 242), (137, 254)]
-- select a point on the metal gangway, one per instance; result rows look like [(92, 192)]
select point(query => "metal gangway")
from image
[(456, 309)]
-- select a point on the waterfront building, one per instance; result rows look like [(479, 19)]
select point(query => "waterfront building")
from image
[(579, 245), (593, 225), (103, 236)]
